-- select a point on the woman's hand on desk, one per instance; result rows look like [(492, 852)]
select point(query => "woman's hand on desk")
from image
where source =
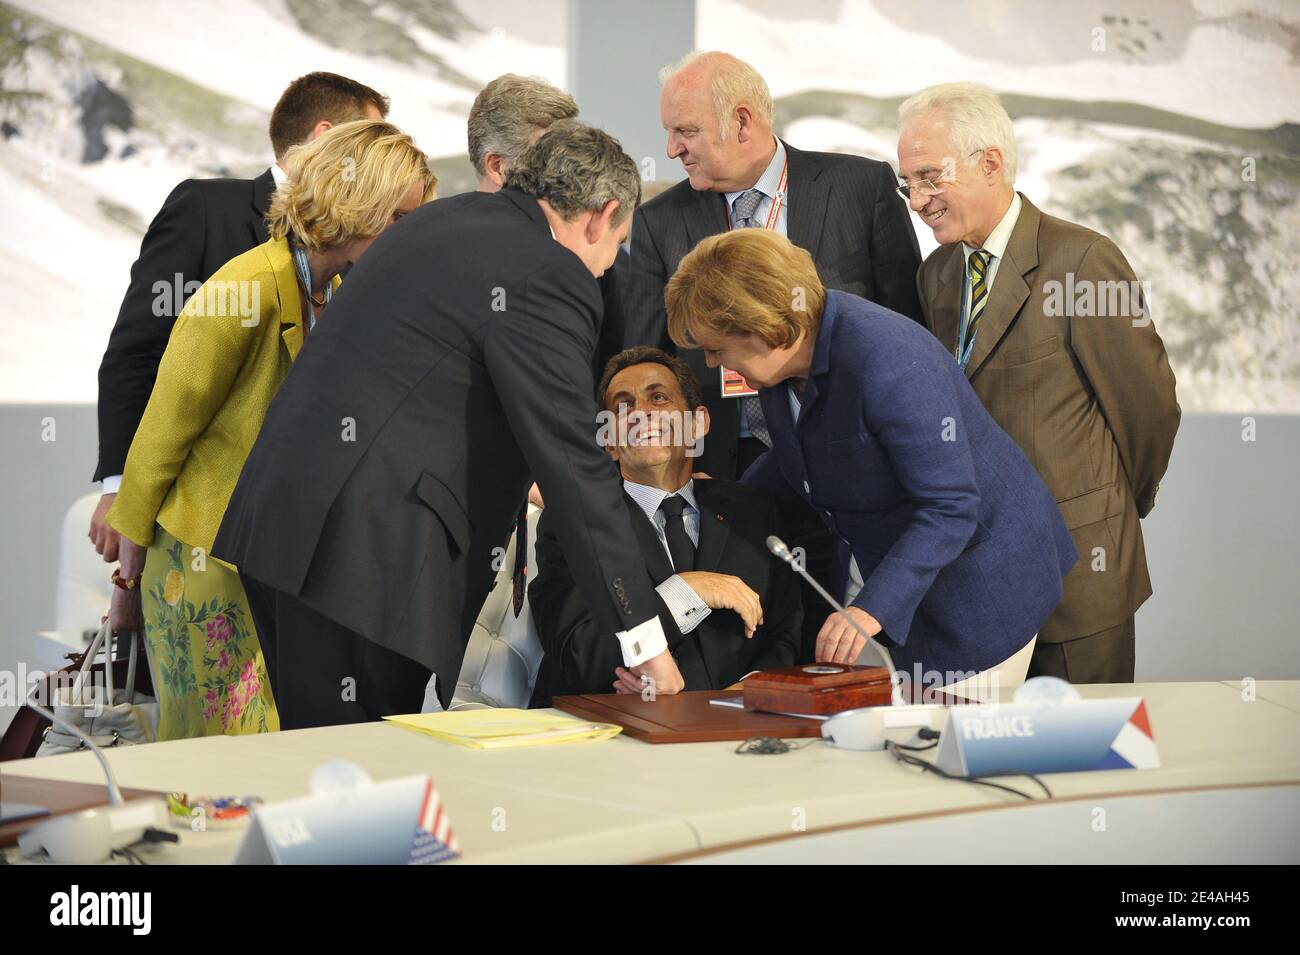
[(838, 642)]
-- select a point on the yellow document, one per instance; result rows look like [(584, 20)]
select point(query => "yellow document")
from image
[(500, 728)]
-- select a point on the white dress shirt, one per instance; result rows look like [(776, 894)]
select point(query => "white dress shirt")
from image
[(996, 246), (767, 184), (686, 606)]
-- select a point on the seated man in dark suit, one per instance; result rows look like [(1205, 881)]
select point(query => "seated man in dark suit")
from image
[(727, 606)]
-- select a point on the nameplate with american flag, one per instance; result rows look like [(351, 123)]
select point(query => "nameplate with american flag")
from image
[(395, 822)]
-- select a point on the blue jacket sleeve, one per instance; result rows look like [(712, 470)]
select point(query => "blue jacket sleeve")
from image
[(916, 417)]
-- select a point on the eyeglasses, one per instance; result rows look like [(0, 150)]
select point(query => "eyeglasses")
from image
[(927, 188)]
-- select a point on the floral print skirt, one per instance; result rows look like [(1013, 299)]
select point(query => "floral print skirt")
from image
[(208, 671)]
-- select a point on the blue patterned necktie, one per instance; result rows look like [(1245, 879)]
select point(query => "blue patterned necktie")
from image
[(743, 210)]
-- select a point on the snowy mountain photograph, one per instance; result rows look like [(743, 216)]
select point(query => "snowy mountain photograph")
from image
[(1169, 125)]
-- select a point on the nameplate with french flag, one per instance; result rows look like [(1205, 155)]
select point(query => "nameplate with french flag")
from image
[(1068, 737)]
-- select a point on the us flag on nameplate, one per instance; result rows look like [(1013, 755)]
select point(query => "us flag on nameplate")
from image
[(434, 841)]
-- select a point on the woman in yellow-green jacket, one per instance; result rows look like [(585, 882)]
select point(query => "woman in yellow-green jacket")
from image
[(230, 349)]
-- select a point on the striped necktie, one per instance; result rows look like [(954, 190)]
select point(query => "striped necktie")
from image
[(977, 270), (743, 210)]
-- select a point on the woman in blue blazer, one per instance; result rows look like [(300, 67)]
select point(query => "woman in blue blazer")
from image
[(960, 545)]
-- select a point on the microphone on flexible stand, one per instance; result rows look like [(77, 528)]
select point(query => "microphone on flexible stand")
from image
[(114, 791), (92, 835), (777, 547)]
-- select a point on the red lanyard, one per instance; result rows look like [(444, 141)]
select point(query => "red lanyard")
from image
[(775, 211)]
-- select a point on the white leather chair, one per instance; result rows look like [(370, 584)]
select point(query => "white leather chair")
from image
[(82, 590), (504, 652)]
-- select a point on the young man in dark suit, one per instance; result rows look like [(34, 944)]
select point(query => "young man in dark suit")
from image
[(203, 224), (728, 606), (454, 369)]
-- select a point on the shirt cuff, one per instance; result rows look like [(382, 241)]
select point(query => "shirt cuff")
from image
[(110, 484), (686, 606), (642, 642)]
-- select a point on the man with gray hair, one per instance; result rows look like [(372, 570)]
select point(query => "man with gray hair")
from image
[(1052, 329), (718, 115), (507, 117), (454, 368), (717, 112)]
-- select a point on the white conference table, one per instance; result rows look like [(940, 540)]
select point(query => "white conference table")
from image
[(1228, 790)]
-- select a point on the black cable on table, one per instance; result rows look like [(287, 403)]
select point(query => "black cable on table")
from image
[(981, 779)]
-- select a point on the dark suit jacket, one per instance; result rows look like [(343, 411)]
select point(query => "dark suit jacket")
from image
[(734, 523), (1089, 399), (203, 225), (452, 369), (960, 544), (843, 210)]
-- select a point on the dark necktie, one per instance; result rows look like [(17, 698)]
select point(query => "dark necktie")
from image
[(680, 547), (519, 577)]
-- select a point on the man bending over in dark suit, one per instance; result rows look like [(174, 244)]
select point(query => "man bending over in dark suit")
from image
[(727, 606), (454, 370)]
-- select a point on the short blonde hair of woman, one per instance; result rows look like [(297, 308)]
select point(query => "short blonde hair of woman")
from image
[(347, 184), (749, 281)]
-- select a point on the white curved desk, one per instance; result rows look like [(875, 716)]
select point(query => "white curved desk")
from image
[(1231, 772)]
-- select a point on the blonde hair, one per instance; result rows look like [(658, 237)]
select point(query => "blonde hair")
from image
[(976, 120), (347, 184), (749, 281), (732, 83)]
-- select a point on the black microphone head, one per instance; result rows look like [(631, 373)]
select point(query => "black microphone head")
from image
[(777, 547)]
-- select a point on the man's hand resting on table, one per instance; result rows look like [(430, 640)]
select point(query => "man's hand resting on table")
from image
[(663, 678), (726, 592)]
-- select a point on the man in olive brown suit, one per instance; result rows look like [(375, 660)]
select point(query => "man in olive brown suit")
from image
[(1051, 326)]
